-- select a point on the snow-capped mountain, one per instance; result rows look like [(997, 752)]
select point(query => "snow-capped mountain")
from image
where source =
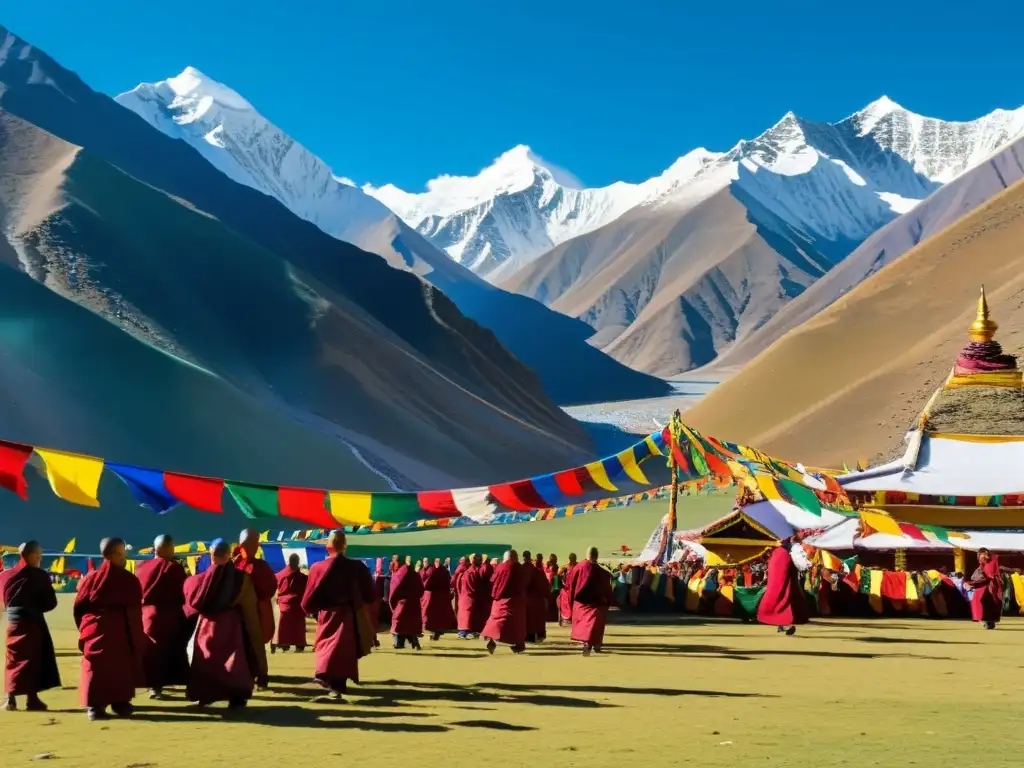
[(240, 142), (857, 174)]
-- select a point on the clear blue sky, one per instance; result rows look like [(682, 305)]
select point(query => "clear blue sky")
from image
[(401, 91)]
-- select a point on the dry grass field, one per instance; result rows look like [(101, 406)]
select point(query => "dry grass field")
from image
[(674, 691)]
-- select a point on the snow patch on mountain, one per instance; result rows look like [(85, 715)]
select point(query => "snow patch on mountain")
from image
[(846, 179)]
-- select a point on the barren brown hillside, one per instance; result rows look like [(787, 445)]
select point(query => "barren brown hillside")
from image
[(847, 383)]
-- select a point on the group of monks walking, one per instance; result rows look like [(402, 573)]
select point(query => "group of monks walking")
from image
[(159, 627)]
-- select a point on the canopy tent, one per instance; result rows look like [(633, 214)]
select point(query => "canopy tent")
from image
[(846, 537)]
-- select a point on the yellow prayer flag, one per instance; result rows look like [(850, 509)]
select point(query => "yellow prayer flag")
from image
[(265, 536), (875, 595), (652, 446), (57, 566), (73, 477), (70, 546), (129, 565), (350, 507), (600, 475), (767, 486), (881, 523), (631, 468)]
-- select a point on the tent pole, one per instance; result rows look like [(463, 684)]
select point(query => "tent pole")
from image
[(674, 500)]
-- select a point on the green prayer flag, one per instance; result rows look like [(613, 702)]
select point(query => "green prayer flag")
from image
[(255, 501), (800, 495)]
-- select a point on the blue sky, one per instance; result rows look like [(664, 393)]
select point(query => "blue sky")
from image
[(401, 91)]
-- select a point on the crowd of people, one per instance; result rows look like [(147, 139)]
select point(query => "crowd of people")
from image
[(209, 632)]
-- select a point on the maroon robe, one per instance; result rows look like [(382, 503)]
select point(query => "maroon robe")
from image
[(590, 590), (564, 604), (164, 655), (460, 569), (227, 653), (987, 598), (507, 622), (108, 614), (474, 601), (380, 602), (264, 581), (291, 627), (551, 573), (438, 614), (31, 661), (337, 591), (783, 603), (406, 591), (537, 592)]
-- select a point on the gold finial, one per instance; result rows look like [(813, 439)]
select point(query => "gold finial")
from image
[(983, 328)]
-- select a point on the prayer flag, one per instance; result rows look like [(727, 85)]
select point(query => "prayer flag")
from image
[(876, 522), (147, 487), (800, 496), (73, 476), (255, 501), (203, 493), (13, 457)]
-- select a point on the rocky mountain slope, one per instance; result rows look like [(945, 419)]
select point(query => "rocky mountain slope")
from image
[(676, 282), (240, 142), (157, 312), (846, 384)]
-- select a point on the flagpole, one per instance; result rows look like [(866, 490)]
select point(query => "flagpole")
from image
[(674, 499)]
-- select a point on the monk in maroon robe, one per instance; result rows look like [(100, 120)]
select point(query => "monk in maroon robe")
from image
[(108, 614), (987, 582), (473, 608), (339, 593), (507, 622), (31, 661), (291, 623), (227, 653), (406, 615), (554, 586), (164, 655), (564, 606), (783, 604), (438, 614), (456, 578), (263, 578), (536, 601), (590, 590)]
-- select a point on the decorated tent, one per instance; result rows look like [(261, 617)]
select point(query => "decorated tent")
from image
[(961, 466)]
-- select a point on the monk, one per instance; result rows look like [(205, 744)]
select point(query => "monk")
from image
[(108, 614), (473, 608), (264, 581), (590, 590), (783, 604), (460, 569), (339, 593), (438, 614), (406, 616), (987, 582), (227, 651), (380, 603), (507, 622), (164, 655), (291, 625), (536, 600), (564, 606), (554, 586), (31, 661)]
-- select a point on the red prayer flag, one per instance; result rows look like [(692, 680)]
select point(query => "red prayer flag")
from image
[(203, 493), (440, 503), (912, 531), (13, 458), (306, 505)]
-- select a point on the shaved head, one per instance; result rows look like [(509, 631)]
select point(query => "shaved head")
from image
[(220, 551), (338, 542), (592, 554), (511, 556), (293, 561), (163, 545), (31, 553), (249, 541), (113, 551)]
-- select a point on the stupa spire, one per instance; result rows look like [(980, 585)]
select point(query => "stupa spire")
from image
[(984, 327)]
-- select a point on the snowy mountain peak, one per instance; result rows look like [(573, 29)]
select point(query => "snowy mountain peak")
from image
[(193, 84)]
